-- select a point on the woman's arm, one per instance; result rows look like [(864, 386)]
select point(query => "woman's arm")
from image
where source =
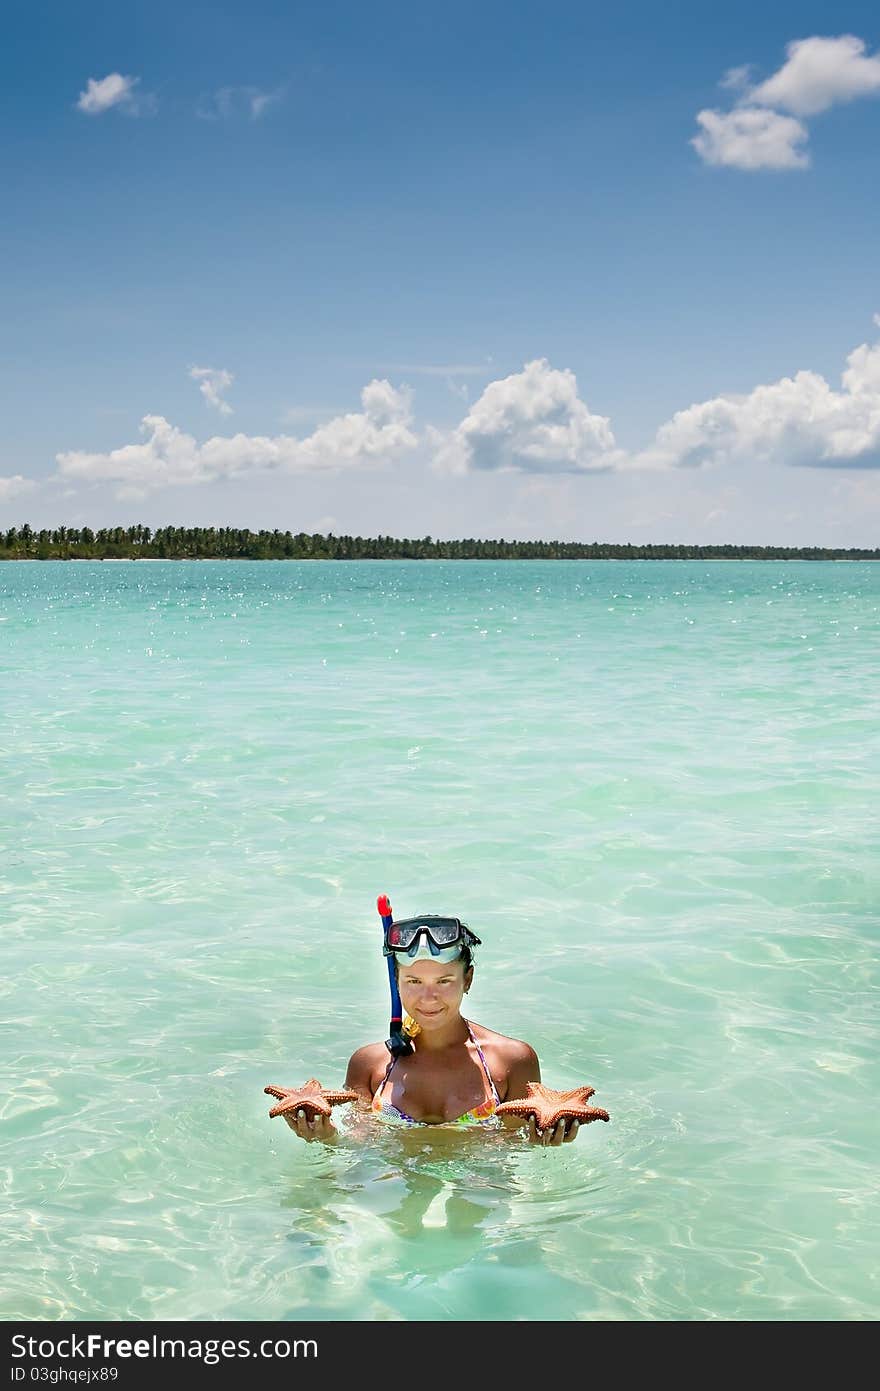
[(524, 1068), (361, 1066)]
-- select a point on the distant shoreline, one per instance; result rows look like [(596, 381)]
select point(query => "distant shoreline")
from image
[(231, 543), (360, 560)]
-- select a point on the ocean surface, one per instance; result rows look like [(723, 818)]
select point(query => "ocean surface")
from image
[(653, 790)]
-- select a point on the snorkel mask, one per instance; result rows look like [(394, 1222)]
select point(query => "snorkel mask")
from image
[(428, 938)]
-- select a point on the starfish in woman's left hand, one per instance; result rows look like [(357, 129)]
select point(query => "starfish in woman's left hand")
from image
[(549, 1107), (311, 1098)]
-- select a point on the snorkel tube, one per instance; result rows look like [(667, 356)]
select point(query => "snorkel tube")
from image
[(399, 1043)]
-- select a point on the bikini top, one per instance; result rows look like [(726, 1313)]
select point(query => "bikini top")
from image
[(480, 1115)]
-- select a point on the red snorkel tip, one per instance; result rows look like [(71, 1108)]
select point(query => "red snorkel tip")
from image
[(383, 906)]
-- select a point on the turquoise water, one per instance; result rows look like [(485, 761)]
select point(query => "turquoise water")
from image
[(652, 789)]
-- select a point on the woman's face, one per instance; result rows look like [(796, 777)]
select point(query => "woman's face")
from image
[(431, 991)]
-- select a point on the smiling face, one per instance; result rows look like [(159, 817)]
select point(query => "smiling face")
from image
[(432, 991)]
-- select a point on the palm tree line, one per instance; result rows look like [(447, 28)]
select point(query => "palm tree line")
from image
[(233, 543)]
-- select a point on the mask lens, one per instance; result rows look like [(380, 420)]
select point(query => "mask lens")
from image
[(442, 932), (401, 935)]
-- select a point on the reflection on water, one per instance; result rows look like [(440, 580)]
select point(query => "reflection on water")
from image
[(414, 1215), (209, 761)]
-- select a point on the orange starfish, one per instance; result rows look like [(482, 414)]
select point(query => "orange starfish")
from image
[(311, 1097), (548, 1106)]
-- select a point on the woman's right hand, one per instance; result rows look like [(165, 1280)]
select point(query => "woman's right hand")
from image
[(318, 1128)]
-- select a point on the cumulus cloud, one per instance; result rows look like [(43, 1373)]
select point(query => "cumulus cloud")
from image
[(533, 421), (114, 90), (751, 138), (167, 457), (819, 73), (798, 420), (213, 382), (14, 485), (227, 102)]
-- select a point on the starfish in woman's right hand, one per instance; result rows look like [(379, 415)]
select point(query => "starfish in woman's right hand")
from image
[(311, 1098)]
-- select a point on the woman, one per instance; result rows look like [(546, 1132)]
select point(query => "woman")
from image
[(443, 1068)]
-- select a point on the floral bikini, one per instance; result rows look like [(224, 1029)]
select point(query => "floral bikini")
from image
[(480, 1115)]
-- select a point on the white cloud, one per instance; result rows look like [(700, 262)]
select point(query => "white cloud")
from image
[(113, 90), (735, 79), (533, 421), (798, 420), (751, 138), (820, 72), (214, 381), (227, 102), (260, 100), (167, 457), (12, 486)]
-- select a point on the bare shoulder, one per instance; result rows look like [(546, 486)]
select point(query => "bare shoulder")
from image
[(508, 1058), (514, 1048), (366, 1067)]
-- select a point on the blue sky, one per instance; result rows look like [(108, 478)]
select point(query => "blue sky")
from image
[(572, 270)]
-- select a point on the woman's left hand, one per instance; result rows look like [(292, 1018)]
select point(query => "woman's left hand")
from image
[(560, 1134)]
